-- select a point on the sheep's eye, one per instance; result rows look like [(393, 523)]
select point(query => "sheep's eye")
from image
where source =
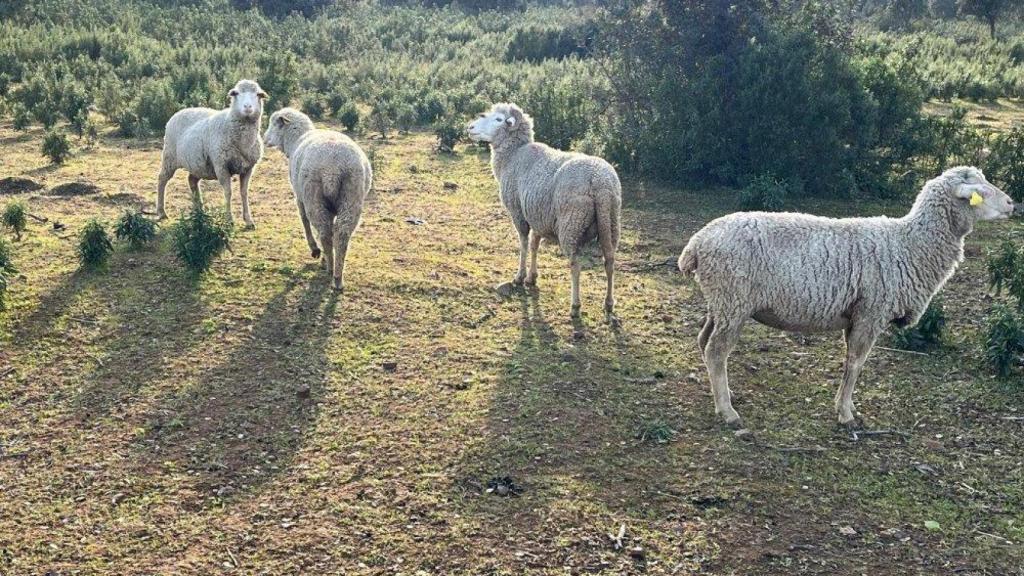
[(497, 119)]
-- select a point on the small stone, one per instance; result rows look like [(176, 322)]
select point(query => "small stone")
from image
[(744, 434), (389, 365), (847, 531), (303, 392), (451, 186), (578, 335), (637, 552), (505, 289)]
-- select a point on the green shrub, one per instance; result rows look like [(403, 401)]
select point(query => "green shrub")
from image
[(94, 246), (56, 147), (382, 118), (135, 228), (928, 331), (348, 115), (765, 193), (314, 106), (22, 116), (15, 217), (449, 132), (199, 237), (7, 269), (1005, 165), (155, 105), (1005, 266), (1004, 340)]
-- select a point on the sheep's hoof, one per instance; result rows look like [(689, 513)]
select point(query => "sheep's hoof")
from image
[(855, 424), (250, 226), (314, 253), (530, 281), (161, 216), (338, 286), (575, 311)]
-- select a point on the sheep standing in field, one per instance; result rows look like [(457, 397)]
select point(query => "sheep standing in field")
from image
[(330, 177), (806, 273), (558, 196), (215, 145)]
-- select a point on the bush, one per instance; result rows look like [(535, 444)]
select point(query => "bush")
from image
[(382, 118), (764, 192), (15, 218), (56, 147), (1006, 269), (928, 331), (22, 116), (449, 132), (1005, 165), (199, 237), (94, 246), (1004, 340), (348, 115), (7, 269), (135, 228), (314, 106), (156, 105)]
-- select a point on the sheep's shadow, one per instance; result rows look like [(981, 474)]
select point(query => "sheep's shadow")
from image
[(565, 413), (240, 422), (156, 307)]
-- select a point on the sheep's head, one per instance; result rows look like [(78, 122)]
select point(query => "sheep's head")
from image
[(247, 100), (286, 125), (501, 121), (972, 189)]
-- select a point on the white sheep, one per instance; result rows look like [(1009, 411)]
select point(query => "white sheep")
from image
[(330, 177), (806, 273), (215, 145), (557, 196)]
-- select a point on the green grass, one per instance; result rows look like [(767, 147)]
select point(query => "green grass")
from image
[(253, 421)]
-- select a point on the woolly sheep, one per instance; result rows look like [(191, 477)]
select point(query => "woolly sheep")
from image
[(330, 177), (215, 145), (557, 196), (806, 273)]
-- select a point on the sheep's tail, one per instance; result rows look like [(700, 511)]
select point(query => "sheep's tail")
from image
[(688, 259), (607, 209)]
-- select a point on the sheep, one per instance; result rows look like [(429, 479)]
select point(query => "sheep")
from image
[(562, 197), (799, 272), (330, 177), (215, 145)]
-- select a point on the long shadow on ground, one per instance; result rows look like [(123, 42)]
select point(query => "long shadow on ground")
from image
[(242, 420)]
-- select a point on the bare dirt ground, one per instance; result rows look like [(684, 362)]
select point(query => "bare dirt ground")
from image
[(254, 422)]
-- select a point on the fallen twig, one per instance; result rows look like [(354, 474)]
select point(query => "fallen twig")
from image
[(903, 351), (82, 320), (1012, 418), (43, 219), (617, 540), (6, 371), (642, 266), (993, 536)]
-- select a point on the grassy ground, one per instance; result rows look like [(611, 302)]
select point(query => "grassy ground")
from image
[(253, 422)]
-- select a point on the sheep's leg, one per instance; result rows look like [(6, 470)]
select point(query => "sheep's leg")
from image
[(524, 239), (705, 333), (531, 277), (574, 266), (243, 191), (720, 344), (197, 194), (314, 250), (609, 272), (859, 340), (165, 176), (323, 221), (341, 238), (225, 182)]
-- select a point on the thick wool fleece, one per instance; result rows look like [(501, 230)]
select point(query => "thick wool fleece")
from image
[(808, 273), (562, 197), (330, 177)]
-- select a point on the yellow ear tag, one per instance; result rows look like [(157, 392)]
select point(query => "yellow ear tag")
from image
[(976, 199)]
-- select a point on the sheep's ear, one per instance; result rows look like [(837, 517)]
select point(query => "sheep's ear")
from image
[(233, 93), (282, 121), (262, 95), (971, 193)]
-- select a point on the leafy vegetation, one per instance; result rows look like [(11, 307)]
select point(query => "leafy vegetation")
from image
[(133, 227), (7, 269), (765, 193), (56, 147), (200, 236), (928, 331), (1004, 336), (15, 217), (94, 246)]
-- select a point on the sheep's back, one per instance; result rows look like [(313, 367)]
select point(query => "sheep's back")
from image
[(797, 271), (329, 164)]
